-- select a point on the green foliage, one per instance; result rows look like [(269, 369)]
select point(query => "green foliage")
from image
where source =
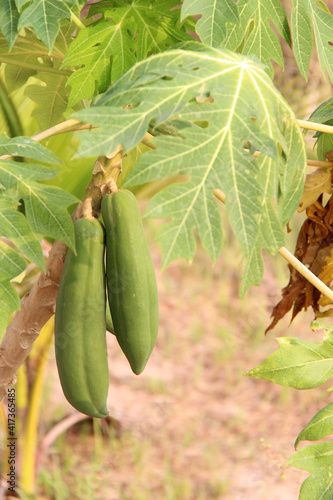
[(260, 38), (45, 212), (305, 365), (317, 459), (128, 31), (24, 146), (194, 83), (308, 15), (298, 363), (9, 17), (12, 264), (21, 181), (320, 426), (43, 16), (323, 114), (216, 14)]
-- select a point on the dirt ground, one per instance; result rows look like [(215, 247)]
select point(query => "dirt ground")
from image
[(192, 426)]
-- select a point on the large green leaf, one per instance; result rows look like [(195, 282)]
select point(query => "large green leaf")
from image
[(51, 98), (127, 32), (317, 459), (44, 17), (12, 264), (15, 227), (261, 39), (26, 147), (9, 17), (215, 15), (227, 24), (46, 214), (320, 426), (30, 58), (45, 206), (305, 16), (298, 363), (239, 110)]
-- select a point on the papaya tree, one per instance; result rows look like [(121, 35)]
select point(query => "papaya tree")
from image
[(103, 96)]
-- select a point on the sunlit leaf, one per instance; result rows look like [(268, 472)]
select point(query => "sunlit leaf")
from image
[(308, 17), (44, 16), (128, 32), (45, 206), (24, 146), (9, 17), (317, 459), (215, 15), (320, 426), (12, 264), (239, 110), (298, 363)]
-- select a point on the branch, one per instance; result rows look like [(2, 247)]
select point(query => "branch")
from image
[(77, 21), (318, 163), (36, 67), (38, 305), (297, 264), (319, 127)]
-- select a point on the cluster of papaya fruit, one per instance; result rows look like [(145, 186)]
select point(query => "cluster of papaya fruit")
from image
[(84, 310)]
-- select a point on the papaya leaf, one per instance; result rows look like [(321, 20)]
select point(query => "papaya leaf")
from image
[(239, 110), (50, 93), (253, 34), (317, 459), (51, 98), (12, 264), (26, 147), (215, 15), (298, 363), (9, 17), (44, 17), (27, 50), (323, 114), (309, 17), (45, 206), (128, 32), (15, 227), (320, 426)]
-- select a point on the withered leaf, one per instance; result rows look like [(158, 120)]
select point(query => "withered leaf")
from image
[(314, 249), (316, 183)]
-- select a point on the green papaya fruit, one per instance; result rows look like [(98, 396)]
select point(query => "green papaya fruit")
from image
[(131, 280), (80, 328)]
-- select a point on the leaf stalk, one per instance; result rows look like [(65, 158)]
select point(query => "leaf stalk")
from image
[(293, 261)]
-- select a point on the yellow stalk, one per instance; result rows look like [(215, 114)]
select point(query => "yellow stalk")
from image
[(319, 127), (297, 264), (77, 21), (27, 482)]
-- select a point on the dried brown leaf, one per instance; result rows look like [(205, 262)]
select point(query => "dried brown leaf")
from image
[(316, 183)]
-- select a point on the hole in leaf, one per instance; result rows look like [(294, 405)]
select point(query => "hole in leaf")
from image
[(205, 97), (248, 146), (202, 123)]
